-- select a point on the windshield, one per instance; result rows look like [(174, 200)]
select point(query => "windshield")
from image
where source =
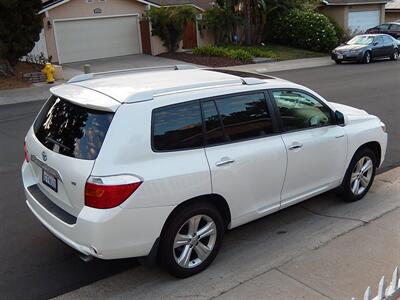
[(72, 130), (361, 40)]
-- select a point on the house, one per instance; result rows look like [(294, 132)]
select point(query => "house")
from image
[(78, 30), (355, 15), (392, 11)]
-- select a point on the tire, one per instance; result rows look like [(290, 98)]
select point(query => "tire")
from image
[(338, 61), (367, 57), (183, 222), (395, 55), (353, 177)]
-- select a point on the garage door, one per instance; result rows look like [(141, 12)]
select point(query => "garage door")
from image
[(359, 21), (86, 39)]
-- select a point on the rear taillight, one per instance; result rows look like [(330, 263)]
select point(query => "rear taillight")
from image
[(111, 191), (26, 153)]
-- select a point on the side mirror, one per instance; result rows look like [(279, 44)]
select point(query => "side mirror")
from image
[(339, 118), (375, 43)]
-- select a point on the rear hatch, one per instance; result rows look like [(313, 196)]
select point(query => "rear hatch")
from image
[(63, 145)]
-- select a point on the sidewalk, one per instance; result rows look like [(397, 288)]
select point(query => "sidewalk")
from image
[(285, 65), (320, 249), (41, 91), (37, 92)]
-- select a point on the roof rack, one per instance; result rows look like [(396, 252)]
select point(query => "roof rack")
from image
[(84, 77), (147, 95)]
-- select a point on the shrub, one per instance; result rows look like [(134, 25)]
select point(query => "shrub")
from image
[(340, 32), (168, 22), (256, 51), (307, 30), (238, 54)]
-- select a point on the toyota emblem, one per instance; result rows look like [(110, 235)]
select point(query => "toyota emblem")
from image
[(44, 156)]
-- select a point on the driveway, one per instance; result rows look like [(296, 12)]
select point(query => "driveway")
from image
[(123, 62)]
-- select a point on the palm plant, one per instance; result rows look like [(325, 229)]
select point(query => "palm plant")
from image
[(169, 22)]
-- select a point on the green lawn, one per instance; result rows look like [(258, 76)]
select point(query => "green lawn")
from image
[(279, 52)]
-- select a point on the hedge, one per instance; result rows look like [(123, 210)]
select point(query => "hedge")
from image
[(307, 30), (239, 54)]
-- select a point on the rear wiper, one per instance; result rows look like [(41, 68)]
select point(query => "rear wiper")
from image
[(57, 143)]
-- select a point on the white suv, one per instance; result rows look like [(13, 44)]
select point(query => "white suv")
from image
[(159, 163)]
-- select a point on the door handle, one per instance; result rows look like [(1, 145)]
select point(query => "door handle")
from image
[(295, 146), (339, 136), (224, 161)]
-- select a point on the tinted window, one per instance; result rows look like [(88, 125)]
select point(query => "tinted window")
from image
[(299, 110), (72, 130), (379, 39), (177, 127), (244, 116), (214, 132), (387, 40), (395, 27), (384, 26)]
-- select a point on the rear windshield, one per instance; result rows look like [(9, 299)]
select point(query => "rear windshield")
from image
[(72, 130)]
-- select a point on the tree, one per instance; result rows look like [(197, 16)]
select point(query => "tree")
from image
[(20, 26), (222, 22), (169, 22), (259, 13)]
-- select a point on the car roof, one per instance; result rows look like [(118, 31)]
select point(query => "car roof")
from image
[(128, 87)]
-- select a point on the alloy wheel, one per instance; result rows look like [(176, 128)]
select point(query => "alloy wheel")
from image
[(367, 57), (361, 175), (194, 241), (396, 55)]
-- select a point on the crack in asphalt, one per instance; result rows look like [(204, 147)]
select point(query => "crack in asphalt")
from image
[(302, 283), (332, 216)]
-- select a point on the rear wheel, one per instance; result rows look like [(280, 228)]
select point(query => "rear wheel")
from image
[(367, 58), (359, 175), (395, 55), (191, 239)]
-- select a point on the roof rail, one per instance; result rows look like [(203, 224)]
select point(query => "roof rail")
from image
[(84, 77)]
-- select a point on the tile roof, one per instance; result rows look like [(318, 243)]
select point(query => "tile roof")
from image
[(352, 2), (202, 4)]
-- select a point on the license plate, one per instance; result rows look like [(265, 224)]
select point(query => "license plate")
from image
[(49, 180), (340, 56)]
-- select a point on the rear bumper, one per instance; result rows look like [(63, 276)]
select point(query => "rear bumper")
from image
[(103, 233)]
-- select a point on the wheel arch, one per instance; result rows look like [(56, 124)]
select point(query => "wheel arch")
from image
[(216, 200), (375, 147)]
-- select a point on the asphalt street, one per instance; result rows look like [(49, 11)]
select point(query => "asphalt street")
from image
[(35, 265)]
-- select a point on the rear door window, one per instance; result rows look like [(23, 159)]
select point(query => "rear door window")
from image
[(72, 130), (177, 127), (237, 117)]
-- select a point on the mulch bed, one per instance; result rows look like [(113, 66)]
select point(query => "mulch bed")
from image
[(16, 81), (210, 61)]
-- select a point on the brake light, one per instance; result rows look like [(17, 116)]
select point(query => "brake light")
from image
[(109, 192), (26, 153)]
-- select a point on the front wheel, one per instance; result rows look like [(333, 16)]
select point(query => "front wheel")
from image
[(367, 58), (191, 239), (359, 175), (395, 55)]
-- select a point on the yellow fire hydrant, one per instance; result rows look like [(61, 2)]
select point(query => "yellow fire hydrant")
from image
[(49, 70)]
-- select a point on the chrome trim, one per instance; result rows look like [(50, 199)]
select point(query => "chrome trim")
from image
[(46, 167)]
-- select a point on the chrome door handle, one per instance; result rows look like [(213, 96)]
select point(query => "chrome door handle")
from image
[(224, 161), (295, 146)]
